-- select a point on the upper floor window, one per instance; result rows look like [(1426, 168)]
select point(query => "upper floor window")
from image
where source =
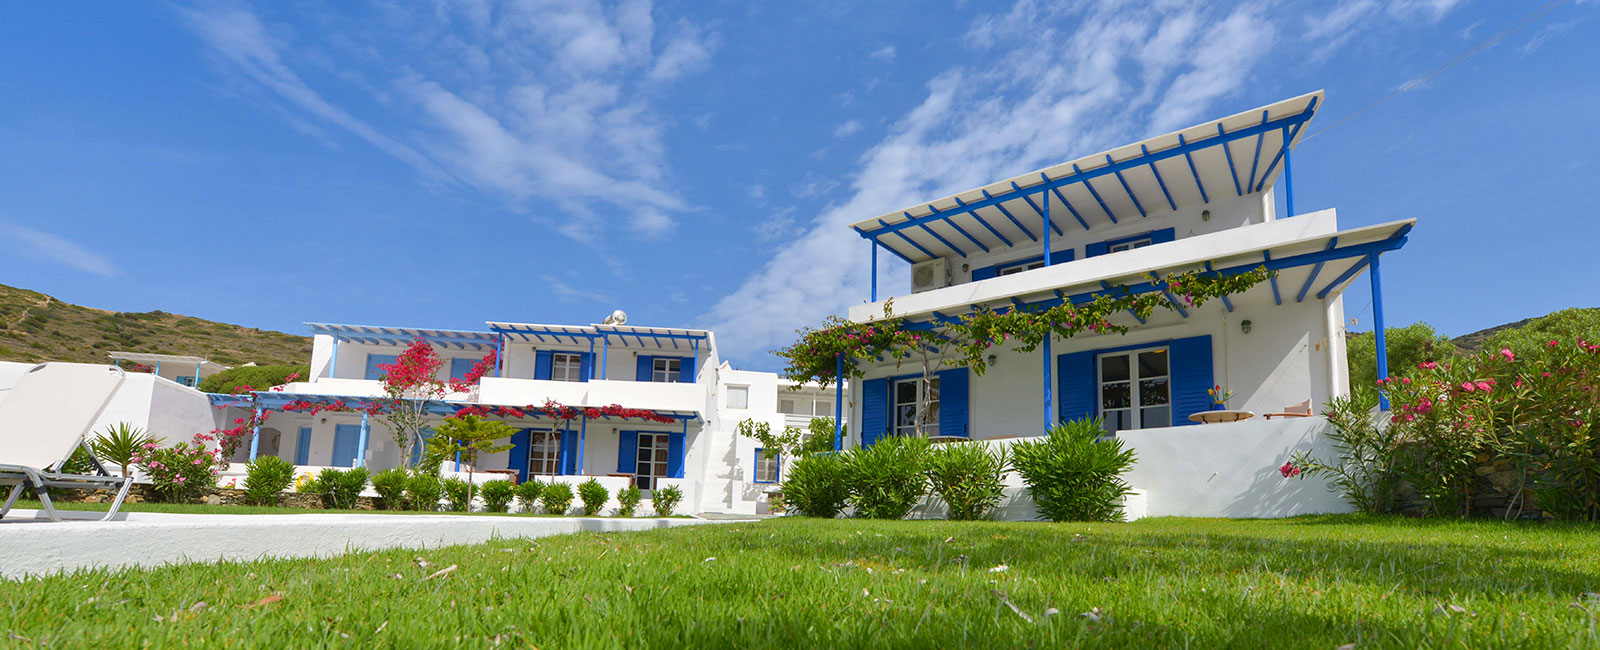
[(1018, 268), (665, 370), (566, 366), (185, 380), (1129, 245), (738, 397), (1135, 390)]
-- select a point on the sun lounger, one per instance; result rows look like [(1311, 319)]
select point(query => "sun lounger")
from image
[(43, 419)]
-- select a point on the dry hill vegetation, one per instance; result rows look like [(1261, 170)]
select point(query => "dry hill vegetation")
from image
[(37, 327)]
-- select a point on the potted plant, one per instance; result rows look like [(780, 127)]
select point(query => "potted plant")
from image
[(1219, 397)]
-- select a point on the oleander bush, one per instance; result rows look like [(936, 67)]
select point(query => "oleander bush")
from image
[(968, 476), (886, 480), (816, 485), (557, 498), (458, 493), (423, 491), (594, 496), (528, 494), (665, 499), (1074, 475), (265, 478), (390, 484), (497, 495), (628, 500)]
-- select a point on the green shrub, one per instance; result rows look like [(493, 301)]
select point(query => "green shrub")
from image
[(968, 476), (390, 484), (458, 492), (816, 485), (557, 498), (1407, 347), (265, 478), (1072, 476), (120, 443), (594, 496), (497, 495), (340, 488), (257, 377), (628, 500), (886, 480), (665, 499), (1371, 456), (423, 491), (528, 495)]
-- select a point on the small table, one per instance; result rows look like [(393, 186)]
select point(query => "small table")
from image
[(1226, 415)]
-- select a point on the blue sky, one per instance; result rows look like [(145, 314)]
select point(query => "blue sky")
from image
[(442, 164)]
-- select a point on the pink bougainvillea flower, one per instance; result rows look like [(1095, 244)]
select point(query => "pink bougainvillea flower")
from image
[(1288, 470)]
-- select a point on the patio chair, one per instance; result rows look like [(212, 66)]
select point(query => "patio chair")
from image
[(44, 418)]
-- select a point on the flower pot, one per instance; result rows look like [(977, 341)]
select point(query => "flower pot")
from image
[(1219, 407)]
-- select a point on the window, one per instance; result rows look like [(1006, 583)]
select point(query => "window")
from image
[(907, 402), (1128, 245), (1135, 390), (787, 407), (824, 408), (186, 381), (544, 453), (566, 366), (766, 466), (665, 370), (1012, 270), (738, 397), (652, 463)]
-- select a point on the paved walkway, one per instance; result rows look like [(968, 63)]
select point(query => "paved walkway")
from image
[(32, 547)]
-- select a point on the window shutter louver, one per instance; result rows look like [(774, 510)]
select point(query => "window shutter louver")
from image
[(519, 454), (954, 388), (1190, 366), (628, 452), (1076, 388), (874, 410), (541, 364)]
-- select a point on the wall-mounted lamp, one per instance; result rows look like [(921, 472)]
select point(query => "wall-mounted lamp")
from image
[(1205, 215), (324, 420), (992, 360), (1244, 326)]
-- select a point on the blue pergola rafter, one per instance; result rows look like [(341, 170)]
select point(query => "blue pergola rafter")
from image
[(1204, 198), (1127, 188), (1090, 186), (1283, 149), (1053, 227), (981, 221), (1260, 137), (1314, 271), (1007, 213), (1157, 173), (1228, 151), (1266, 257)]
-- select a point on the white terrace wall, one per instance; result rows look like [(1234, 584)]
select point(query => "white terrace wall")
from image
[(1215, 470), (160, 406)]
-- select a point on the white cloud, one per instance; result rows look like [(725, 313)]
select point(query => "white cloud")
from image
[(45, 247), (1549, 31), (885, 53), (568, 293), (1348, 18), (847, 129)]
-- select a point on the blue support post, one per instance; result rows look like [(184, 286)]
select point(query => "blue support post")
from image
[(695, 346), (255, 440), (500, 354), (1049, 407), (874, 270), (838, 403), (605, 345), (158, 368), (1288, 183), (196, 383), (1046, 213), (1378, 334), (361, 443), (333, 361), (583, 434)]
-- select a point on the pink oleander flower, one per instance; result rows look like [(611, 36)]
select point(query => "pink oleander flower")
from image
[(1506, 352), (1405, 380), (1289, 470), (1483, 386), (1467, 386), (179, 479)]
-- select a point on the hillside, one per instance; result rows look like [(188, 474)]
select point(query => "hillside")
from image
[(37, 327), (1472, 342)]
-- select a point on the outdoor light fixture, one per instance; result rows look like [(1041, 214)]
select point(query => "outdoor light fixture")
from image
[(1244, 326), (993, 359), (1205, 215)]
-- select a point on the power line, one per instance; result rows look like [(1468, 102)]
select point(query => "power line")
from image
[(1414, 83)]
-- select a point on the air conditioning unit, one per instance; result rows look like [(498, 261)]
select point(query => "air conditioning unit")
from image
[(929, 275)]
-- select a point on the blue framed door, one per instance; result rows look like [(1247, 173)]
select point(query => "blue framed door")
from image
[(302, 447), (345, 438)]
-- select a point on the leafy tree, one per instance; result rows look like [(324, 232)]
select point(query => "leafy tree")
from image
[(120, 443), (259, 377), (1408, 346), (1565, 326), (470, 435), (407, 385)]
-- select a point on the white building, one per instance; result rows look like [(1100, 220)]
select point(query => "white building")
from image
[(674, 373), (1200, 198), (184, 370)]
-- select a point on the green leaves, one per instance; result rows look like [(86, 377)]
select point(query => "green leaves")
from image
[(968, 476), (265, 478), (1073, 475), (120, 443), (815, 485), (886, 480), (497, 495)]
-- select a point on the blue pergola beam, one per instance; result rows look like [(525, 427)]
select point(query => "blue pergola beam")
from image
[(1257, 161), (1175, 304), (1090, 186), (944, 241), (1127, 188), (1312, 278), (1266, 257), (1057, 191), (1194, 172), (1107, 286), (1225, 301), (1229, 153), (1004, 211), (1349, 273), (1157, 173), (963, 233), (1080, 176), (985, 224), (1029, 199), (1283, 150)]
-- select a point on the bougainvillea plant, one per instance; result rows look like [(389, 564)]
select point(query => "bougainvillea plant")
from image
[(410, 382)]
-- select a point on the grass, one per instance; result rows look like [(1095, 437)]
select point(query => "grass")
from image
[(205, 509), (1307, 582)]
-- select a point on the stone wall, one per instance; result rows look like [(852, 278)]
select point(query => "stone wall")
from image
[(1496, 491), (139, 493)]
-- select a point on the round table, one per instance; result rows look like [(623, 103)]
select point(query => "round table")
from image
[(1226, 415)]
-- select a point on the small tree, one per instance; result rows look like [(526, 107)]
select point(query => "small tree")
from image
[(412, 380), (470, 435)]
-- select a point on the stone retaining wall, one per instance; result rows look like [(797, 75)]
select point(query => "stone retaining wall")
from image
[(140, 493)]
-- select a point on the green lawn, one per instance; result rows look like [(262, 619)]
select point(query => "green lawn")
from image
[(203, 509), (1318, 582)]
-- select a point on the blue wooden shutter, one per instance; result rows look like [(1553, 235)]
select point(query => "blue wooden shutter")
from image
[(569, 453), (460, 367), (983, 273), (585, 366), (874, 410), (686, 371), (675, 454), (520, 442), (1162, 236), (345, 437), (1095, 248), (1189, 362), (302, 447), (628, 452), (1077, 390), (374, 360), (1060, 256), (953, 391), (645, 370), (541, 364)]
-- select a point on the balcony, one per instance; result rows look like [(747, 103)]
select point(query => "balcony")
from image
[(632, 394)]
